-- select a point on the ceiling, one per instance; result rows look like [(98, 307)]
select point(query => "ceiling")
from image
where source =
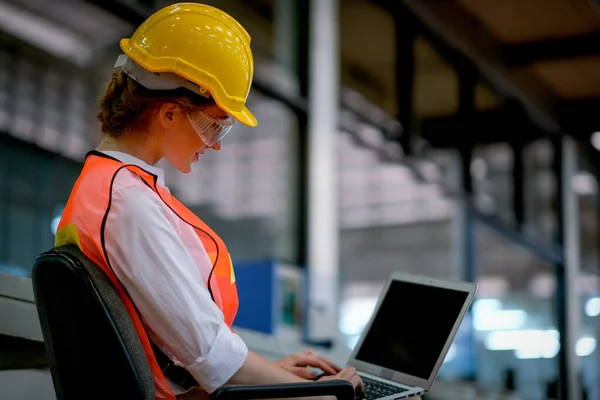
[(72, 30), (544, 54), (516, 22), (526, 22), (370, 50)]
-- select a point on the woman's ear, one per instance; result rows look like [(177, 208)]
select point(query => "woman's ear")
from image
[(166, 114)]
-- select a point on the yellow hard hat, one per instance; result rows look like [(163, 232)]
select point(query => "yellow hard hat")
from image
[(203, 45)]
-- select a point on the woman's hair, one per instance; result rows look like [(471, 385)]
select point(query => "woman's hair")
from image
[(127, 106)]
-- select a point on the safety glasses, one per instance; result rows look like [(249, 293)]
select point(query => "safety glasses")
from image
[(210, 129)]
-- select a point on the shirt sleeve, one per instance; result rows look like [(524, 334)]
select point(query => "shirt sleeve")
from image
[(151, 261)]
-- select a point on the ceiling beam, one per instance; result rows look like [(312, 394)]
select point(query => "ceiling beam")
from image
[(127, 11), (579, 117), (508, 123), (462, 31), (522, 54), (501, 125)]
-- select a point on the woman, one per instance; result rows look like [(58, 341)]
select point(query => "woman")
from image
[(175, 93)]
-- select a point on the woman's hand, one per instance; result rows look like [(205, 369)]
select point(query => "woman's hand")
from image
[(297, 364), (347, 374)]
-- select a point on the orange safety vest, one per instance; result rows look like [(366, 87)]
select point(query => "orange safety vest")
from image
[(83, 223)]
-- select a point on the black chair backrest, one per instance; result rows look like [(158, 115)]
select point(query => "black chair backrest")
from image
[(92, 346)]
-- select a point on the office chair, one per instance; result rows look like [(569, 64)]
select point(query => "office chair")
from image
[(93, 349)]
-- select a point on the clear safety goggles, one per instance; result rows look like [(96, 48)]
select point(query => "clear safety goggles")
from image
[(210, 129)]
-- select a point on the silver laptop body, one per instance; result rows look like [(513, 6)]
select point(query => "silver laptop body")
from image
[(408, 336)]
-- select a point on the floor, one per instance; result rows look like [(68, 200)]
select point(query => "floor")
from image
[(26, 384), (23, 372)]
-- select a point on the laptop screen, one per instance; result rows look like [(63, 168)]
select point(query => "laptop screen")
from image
[(411, 328)]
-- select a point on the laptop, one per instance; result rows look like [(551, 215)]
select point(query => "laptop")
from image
[(408, 336)]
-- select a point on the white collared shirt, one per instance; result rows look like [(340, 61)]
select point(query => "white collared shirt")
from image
[(156, 257)]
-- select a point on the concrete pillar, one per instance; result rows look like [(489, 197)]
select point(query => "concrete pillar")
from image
[(572, 268), (323, 225), (285, 34), (463, 250)]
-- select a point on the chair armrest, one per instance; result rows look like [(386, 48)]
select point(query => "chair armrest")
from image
[(342, 390)]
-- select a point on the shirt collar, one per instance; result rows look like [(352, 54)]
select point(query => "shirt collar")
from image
[(129, 159)]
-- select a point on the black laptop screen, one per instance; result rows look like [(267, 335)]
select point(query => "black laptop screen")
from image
[(411, 328)]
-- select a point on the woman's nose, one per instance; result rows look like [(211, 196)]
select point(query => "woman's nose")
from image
[(216, 146)]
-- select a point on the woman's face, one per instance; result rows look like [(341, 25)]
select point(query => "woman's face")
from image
[(182, 145)]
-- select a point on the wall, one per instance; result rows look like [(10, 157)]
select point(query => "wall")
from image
[(33, 182)]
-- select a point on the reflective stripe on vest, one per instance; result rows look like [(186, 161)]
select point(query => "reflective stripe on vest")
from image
[(83, 223)]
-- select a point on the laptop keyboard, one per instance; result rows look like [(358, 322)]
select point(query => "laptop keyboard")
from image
[(377, 389)]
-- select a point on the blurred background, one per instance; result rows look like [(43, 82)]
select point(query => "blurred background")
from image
[(451, 138)]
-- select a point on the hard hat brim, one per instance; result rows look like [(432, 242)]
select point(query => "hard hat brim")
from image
[(245, 117)]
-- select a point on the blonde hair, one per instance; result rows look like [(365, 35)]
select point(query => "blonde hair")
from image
[(127, 106)]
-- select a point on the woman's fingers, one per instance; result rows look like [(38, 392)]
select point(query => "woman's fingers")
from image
[(333, 366), (305, 360), (349, 374)]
